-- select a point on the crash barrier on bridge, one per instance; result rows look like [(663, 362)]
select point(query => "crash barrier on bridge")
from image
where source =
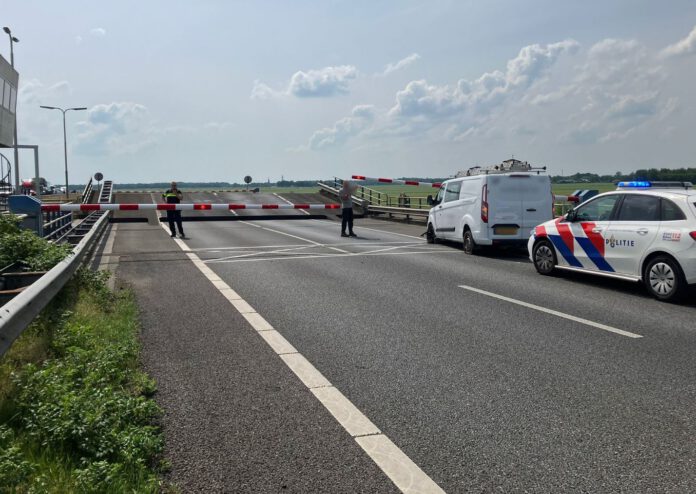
[(398, 181), (180, 207), (19, 312)]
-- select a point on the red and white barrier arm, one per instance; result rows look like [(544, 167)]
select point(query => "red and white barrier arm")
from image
[(559, 198), (396, 181), (180, 207)]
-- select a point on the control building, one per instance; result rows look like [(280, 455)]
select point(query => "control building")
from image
[(9, 81)]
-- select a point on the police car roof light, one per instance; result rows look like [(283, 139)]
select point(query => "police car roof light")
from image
[(643, 184), (634, 184)]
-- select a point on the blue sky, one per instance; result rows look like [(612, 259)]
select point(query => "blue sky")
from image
[(210, 91)]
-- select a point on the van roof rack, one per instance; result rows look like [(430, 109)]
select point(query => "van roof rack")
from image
[(507, 166)]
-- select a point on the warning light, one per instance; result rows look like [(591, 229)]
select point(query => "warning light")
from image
[(639, 184)]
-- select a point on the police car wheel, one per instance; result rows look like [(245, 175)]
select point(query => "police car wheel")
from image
[(469, 245), (430, 234), (544, 257), (664, 280)]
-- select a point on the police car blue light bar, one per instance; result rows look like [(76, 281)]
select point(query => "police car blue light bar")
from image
[(645, 184), (635, 184)]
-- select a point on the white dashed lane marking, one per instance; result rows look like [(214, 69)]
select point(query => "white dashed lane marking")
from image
[(553, 312)]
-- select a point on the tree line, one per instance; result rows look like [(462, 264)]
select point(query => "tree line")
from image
[(666, 174)]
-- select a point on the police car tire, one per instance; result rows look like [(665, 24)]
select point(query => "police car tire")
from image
[(656, 275), (430, 234), (468, 245), (545, 268)]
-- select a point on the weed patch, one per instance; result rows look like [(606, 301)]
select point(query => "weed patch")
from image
[(76, 413)]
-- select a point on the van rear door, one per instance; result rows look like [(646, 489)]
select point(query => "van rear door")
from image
[(537, 201), (504, 193)]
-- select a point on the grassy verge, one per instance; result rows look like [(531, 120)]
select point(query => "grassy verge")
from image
[(76, 413)]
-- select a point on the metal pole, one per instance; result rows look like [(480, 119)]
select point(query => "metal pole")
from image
[(65, 150), (16, 142), (37, 184)]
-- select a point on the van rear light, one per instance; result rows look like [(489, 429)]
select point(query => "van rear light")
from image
[(484, 203), (692, 235)]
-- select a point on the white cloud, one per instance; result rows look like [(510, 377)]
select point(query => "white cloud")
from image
[(34, 92), (262, 91), (328, 81), (684, 46), (612, 91), (404, 62), (98, 32), (115, 128), (320, 83), (360, 119), (78, 40), (421, 100)]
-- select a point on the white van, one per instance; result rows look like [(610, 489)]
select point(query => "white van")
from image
[(490, 208)]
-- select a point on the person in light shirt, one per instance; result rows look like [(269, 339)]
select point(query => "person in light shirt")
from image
[(345, 195)]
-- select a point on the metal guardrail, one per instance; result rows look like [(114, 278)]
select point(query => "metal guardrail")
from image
[(56, 224), (87, 193), (421, 214), (19, 312)]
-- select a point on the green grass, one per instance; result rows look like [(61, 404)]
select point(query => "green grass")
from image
[(76, 413), (570, 188)]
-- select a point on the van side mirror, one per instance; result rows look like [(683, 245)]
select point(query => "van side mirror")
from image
[(430, 200)]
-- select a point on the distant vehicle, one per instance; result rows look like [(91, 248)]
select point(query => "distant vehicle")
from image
[(643, 231), (495, 206)]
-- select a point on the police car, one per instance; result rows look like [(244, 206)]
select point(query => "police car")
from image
[(643, 231)]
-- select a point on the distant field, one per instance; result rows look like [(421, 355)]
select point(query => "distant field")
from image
[(570, 188), (396, 190)]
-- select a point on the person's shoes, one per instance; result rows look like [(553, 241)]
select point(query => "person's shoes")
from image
[(173, 235), (351, 234), (343, 234), (182, 236)]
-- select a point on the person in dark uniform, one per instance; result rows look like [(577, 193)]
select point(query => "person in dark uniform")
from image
[(174, 196)]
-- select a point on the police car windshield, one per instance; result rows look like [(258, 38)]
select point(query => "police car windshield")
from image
[(598, 210)]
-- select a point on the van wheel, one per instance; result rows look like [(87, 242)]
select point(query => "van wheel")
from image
[(430, 234), (544, 257), (664, 279), (469, 244)]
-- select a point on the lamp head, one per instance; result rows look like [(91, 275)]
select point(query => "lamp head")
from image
[(6, 29)]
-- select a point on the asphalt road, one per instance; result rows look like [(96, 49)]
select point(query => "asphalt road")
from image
[(483, 394)]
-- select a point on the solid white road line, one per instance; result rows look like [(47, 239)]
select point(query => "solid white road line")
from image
[(376, 230), (403, 472), (329, 256), (554, 312), (398, 467), (293, 236), (256, 247)]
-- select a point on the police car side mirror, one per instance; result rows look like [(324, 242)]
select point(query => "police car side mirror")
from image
[(572, 215)]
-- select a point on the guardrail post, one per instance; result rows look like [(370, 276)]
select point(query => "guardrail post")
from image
[(31, 207)]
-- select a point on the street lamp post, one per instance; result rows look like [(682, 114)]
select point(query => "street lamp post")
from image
[(14, 40), (65, 142)]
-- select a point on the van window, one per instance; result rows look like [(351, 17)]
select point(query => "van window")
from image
[(452, 192), (639, 208), (597, 210), (440, 195), (671, 212)]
